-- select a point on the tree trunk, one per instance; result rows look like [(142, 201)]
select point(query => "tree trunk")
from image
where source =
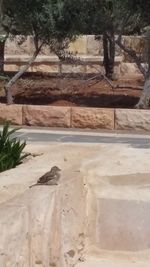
[(144, 102), (2, 48), (8, 86), (109, 53)]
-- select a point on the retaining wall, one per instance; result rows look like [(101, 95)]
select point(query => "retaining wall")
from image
[(76, 117), (86, 47)]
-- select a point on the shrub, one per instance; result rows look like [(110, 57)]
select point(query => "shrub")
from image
[(11, 149)]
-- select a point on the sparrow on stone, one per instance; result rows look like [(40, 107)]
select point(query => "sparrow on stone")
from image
[(50, 178)]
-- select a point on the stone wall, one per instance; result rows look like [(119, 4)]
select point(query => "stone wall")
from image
[(86, 47), (76, 117)]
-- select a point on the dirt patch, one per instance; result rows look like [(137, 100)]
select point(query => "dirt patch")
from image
[(77, 91)]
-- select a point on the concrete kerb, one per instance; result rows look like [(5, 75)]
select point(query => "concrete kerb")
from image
[(76, 117)]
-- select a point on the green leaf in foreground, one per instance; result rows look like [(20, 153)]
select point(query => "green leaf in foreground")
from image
[(11, 149)]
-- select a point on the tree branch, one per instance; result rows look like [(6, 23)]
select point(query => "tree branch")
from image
[(8, 86), (132, 54)]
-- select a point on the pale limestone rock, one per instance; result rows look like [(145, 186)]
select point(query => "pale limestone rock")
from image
[(32, 233), (73, 195), (102, 206), (41, 226), (46, 116), (11, 67), (11, 113), (94, 47), (13, 48), (94, 118), (79, 46), (137, 43), (94, 68), (119, 212), (126, 119), (121, 223), (46, 67), (111, 261), (129, 70), (68, 68)]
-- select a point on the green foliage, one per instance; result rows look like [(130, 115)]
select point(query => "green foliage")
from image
[(10, 149), (45, 20), (111, 15), (51, 23)]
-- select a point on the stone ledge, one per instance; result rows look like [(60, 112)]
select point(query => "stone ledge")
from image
[(47, 116), (130, 119), (93, 118), (24, 58), (12, 113), (54, 59)]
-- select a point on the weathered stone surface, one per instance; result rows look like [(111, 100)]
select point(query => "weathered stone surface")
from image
[(22, 59), (111, 217), (94, 47), (66, 68), (137, 43), (94, 118), (94, 68), (11, 113), (79, 46), (114, 201), (32, 232), (129, 70), (47, 67), (41, 226), (11, 67), (73, 207), (94, 204), (112, 261), (46, 116), (13, 48), (126, 119)]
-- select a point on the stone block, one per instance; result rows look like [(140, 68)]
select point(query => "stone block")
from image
[(128, 119), (13, 48), (94, 68), (137, 43), (46, 116), (128, 70), (45, 67), (66, 68), (93, 118), (122, 224), (11, 67), (79, 46), (11, 113), (94, 47)]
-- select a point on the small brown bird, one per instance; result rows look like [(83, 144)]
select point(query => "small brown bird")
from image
[(50, 178)]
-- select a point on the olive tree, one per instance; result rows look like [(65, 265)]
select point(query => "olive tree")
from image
[(50, 23), (113, 19), (137, 12)]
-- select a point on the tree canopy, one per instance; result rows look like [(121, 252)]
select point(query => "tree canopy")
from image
[(49, 22), (56, 22)]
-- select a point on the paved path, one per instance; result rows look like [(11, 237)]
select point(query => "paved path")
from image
[(74, 136)]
